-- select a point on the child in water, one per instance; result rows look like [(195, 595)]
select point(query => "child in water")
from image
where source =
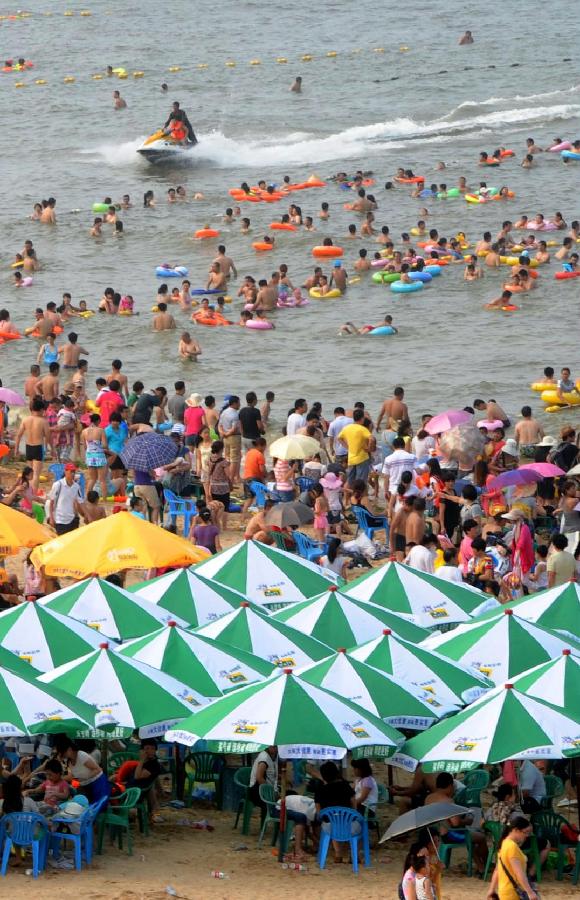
[(188, 348)]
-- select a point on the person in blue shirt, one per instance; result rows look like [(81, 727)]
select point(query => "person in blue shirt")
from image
[(137, 505)]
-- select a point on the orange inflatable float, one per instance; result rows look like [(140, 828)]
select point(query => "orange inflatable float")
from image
[(210, 318), (282, 226), (262, 246), (203, 233), (324, 251)]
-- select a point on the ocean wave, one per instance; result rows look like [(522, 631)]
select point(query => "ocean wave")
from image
[(473, 106)]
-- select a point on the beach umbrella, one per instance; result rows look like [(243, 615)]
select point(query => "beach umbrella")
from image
[(12, 398), (556, 608), (209, 666), (506, 724), (117, 542), (188, 595), (18, 530), (391, 699), (554, 682), (265, 575), (129, 693), (513, 477), (446, 420), (295, 446), (108, 609), (17, 664), (422, 817), (282, 515), (426, 670), (339, 621), (260, 634), (463, 443), (426, 599), (301, 719), (500, 647), (545, 469), (148, 451), (44, 638), (28, 707)]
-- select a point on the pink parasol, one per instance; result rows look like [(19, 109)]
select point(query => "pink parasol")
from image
[(11, 397), (447, 420), (546, 470), (514, 476)]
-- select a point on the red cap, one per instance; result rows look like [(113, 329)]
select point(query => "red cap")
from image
[(287, 671), (171, 624), (508, 612), (70, 467), (387, 631), (332, 588), (508, 687), (566, 652), (104, 646)]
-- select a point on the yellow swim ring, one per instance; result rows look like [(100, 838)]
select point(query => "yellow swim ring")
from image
[(330, 295)]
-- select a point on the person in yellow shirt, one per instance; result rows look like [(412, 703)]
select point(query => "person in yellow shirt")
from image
[(510, 876), (357, 439)]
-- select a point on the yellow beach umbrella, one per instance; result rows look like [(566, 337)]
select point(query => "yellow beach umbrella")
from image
[(18, 531), (120, 541), (294, 446)]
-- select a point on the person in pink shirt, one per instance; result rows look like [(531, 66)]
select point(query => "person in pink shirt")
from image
[(193, 419), (470, 531), (109, 402), (54, 790)]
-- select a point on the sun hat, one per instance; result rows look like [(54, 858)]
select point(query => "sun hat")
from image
[(510, 447), (331, 481), (547, 441), (514, 514), (194, 400)]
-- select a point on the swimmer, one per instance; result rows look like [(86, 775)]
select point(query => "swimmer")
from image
[(228, 216), (466, 39), (48, 216), (499, 302), (351, 234), (472, 273), (188, 348), (164, 88), (245, 316), (119, 229), (309, 223), (362, 264), (20, 282), (217, 280), (180, 192), (126, 202), (492, 257), (527, 162), (296, 86), (97, 229), (72, 351), (163, 321), (171, 195), (118, 101), (532, 147), (350, 328), (522, 222), (148, 200), (484, 245), (185, 296), (245, 227), (339, 276), (175, 295), (548, 376), (558, 221), (543, 255), (565, 249), (366, 228), (324, 213), (462, 185), (36, 212), (323, 286), (111, 215), (260, 317), (225, 262)]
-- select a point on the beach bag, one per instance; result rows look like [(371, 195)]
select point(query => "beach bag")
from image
[(522, 895)]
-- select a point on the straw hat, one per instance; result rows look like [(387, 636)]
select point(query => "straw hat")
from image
[(510, 447), (194, 400), (547, 441)]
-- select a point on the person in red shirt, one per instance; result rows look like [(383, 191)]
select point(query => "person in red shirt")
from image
[(254, 470), (109, 402)]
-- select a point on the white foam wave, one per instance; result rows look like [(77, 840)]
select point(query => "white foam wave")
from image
[(357, 142), (519, 98)]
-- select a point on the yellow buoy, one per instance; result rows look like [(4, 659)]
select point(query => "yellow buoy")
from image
[(202, 65), (378, 49), (68, 79), (69, 12), (19, 84), (123, 75), (281, 59), (97, 77), (356, 50), (174, 69), (255, 62), (307, 57), (85, 12), (230, 64), (40, 81), (25, 15), (138, 74), (403, 47), (332, 53)]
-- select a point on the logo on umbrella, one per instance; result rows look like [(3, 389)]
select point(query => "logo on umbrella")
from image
[(235, 676), (465, 745), (357, 730), (121, 555), (245, 728), (436, 612), (285, 661), (272, 591)]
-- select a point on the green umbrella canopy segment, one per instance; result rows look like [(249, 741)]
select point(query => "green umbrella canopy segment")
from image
[(187, 595)]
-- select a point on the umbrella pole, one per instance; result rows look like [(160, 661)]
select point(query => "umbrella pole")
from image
[(282, 835), (576, 774)]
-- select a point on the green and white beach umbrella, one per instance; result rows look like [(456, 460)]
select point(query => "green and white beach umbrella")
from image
[(304, 721), (27, 707), (448, 682), (265, 575), (506, 724), (430, 601), (129, 693), (44, 638), (208, 666), (186, 594), (339, 621), (391, 699), (557, 608), (108, 609), (556, 682), (500, 647), (256, 632)]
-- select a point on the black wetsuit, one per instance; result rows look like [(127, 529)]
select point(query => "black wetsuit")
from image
[(181, 116)]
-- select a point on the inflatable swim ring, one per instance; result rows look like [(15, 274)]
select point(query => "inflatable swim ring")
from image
[(324, 251), (330, 295), (552, 398), (385, 277), (168, 272), (9, 336), (203, 233), (202, 318), (542, 386), (417, 179), (557, 148), (101, 207), (259, 324), (434, 271), (401, 287), (425, 277), (262, 246), (281, 226), (382, 329), (452, 192), (569, 154), (563, 276)]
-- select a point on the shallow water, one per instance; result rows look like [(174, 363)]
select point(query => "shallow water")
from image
[(362, 108)]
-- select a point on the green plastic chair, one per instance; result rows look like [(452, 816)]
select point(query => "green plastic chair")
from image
[(279, 541), (475, 782), (269, 796), (495, 829), (38, 512), (245, 805), (203, 768), (117, 818), (116, 760), (554, 788), (374, 821), (548, 824), (445, 850)]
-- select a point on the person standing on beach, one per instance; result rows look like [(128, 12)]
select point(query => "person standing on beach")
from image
[(36, 433)]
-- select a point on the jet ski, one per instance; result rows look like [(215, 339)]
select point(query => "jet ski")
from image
[(161, 147)]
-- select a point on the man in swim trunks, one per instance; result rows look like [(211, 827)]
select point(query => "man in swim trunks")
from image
[(226, 263), (268, 292), (71, 352), (163, 321), (48, 387), (36, 433), (179, 115), (394, 408), (528, 433), (339, 277), (217, 280)]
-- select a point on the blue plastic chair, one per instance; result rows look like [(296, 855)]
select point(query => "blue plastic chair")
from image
[(84, 838), (12, 757), (307, 548), (25, 830), (260, 492), (342, 820), (180, 506), (304, 483), (368, 523)]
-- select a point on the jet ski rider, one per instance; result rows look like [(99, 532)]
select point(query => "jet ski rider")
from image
[(179, 126)]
